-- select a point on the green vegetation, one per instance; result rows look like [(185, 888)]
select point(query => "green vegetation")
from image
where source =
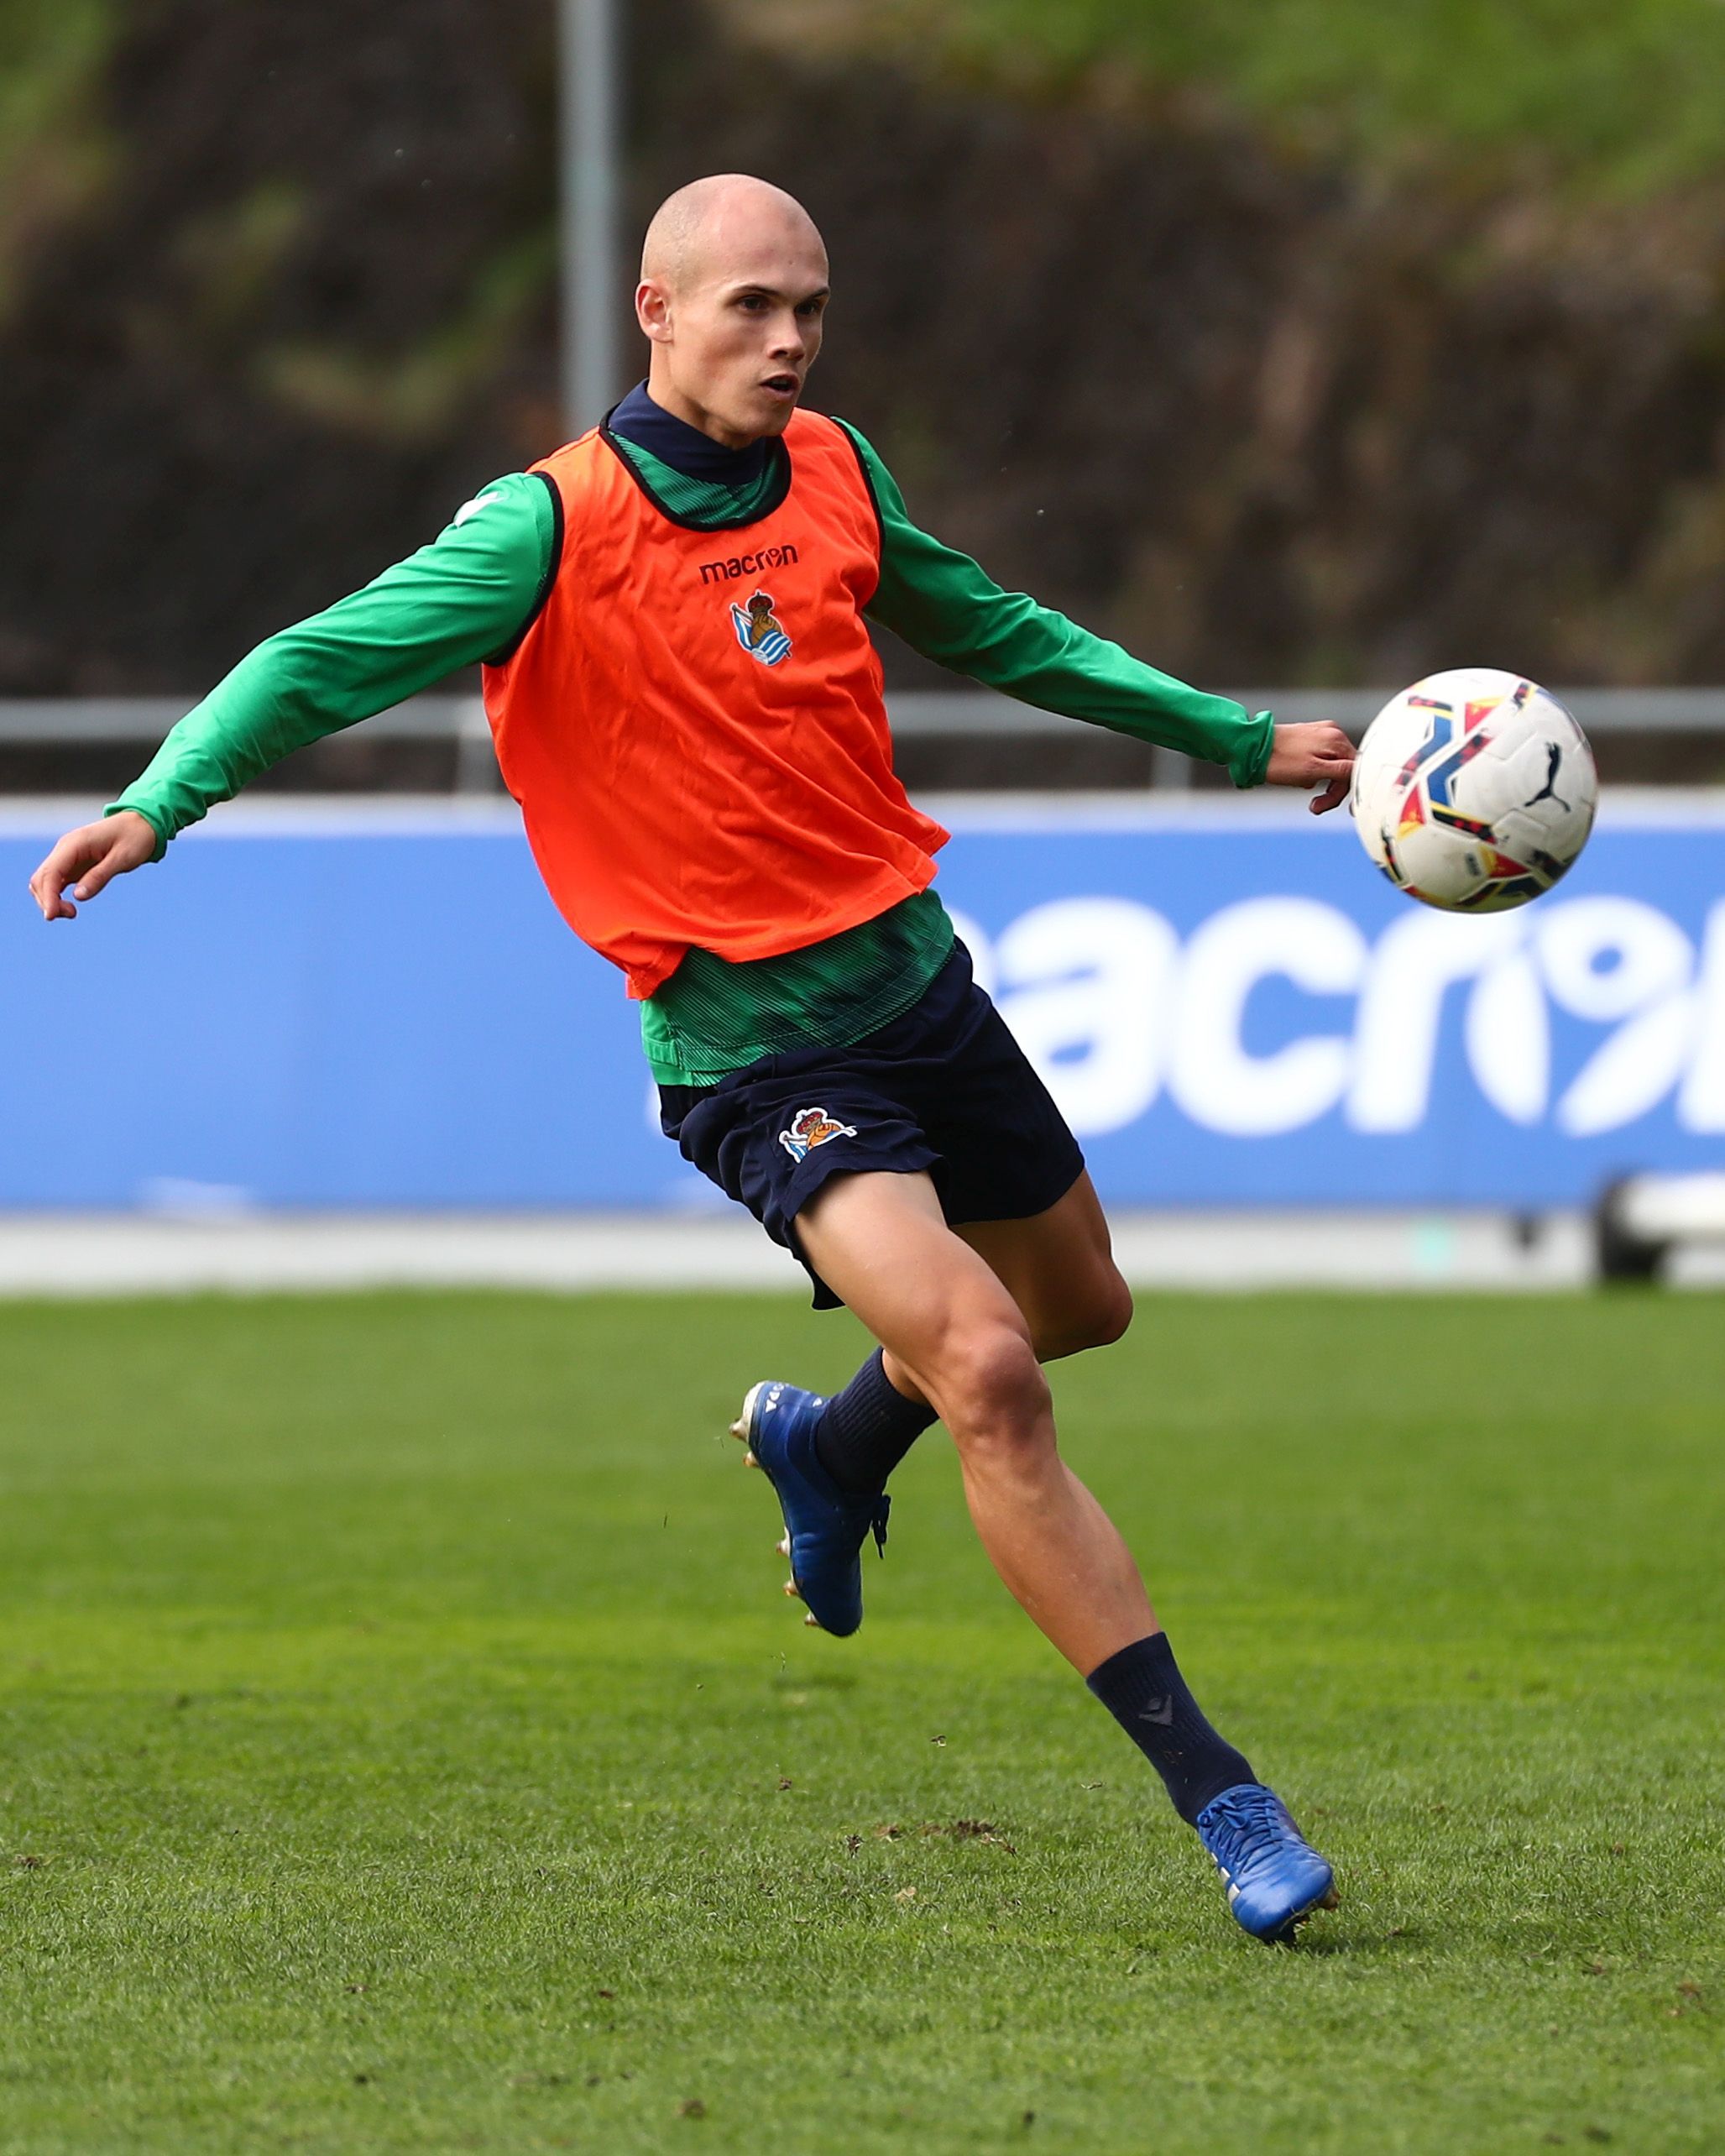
[(49, 50), (409, 398), (54, 154), (1620, 96), (407, 1748)]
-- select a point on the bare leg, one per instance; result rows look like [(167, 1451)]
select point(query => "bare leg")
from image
[(954, 1335), (1059, 1267)]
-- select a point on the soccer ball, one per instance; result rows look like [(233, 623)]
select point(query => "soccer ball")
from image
[(1474, 790)]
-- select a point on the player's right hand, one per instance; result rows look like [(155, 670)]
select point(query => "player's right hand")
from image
[(90, 857)]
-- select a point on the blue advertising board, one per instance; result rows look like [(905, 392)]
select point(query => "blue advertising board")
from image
[(368, 1007)]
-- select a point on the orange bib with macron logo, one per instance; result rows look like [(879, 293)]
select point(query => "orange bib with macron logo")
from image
[(693, 724)]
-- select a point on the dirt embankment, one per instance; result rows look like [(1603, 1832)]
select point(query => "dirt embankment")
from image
[(1263, 424)]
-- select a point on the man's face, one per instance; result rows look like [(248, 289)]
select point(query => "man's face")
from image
[(737, 332)]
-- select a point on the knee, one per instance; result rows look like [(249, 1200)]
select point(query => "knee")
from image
[(992, 1389), (1098, 1322)]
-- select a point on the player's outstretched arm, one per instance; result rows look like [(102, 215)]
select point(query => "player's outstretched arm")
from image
[(86, 860), (459, 600), (1320, 755), (943, 604)]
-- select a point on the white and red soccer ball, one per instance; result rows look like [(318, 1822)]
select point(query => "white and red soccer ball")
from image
[(1474, 790)]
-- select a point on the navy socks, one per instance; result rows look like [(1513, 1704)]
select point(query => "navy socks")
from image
[(867, 1429), (1143, 1689)]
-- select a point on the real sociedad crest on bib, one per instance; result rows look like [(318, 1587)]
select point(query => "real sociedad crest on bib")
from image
[(758, 629)]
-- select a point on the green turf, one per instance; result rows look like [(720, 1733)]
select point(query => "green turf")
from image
[(406, 1747)]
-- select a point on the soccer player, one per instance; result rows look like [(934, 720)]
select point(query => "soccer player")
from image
[(672, 616)]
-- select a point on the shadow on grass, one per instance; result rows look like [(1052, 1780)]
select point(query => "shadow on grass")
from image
[(1328, 1945)]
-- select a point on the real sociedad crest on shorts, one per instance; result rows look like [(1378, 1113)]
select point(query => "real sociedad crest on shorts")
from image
[(810, 1128), (758, 631)]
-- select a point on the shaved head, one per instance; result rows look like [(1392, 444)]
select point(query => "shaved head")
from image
[(711, 222), (733, 290)]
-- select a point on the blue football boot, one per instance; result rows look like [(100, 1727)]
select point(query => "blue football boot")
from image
[(1274, 1879), (825, 1527)]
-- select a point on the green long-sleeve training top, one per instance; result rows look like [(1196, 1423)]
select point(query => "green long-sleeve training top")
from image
[(464, 599)]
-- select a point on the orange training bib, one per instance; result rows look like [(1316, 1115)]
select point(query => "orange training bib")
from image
[(694, 727)]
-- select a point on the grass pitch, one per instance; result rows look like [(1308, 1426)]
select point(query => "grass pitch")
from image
[(406, 1745)]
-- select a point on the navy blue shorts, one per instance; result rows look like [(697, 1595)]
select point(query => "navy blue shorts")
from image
[(943, 1088)]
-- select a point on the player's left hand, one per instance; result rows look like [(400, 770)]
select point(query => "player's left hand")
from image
[(1320, 756)]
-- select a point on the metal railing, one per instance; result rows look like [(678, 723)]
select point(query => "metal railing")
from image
[(65, 722)]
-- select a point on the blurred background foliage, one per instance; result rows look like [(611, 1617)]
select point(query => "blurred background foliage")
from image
[(52, 147), (1617, 97), (1290, 340)]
